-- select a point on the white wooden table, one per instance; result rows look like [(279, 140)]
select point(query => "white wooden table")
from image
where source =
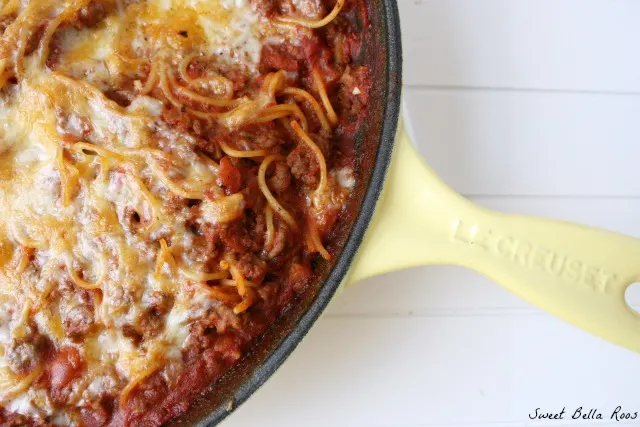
[(528, 106)]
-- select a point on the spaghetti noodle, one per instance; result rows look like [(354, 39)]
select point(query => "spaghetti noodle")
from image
[(318, 23), (171, 173), (275, 205), (300, 93), (317, 153), (320, 87), (232, 152)]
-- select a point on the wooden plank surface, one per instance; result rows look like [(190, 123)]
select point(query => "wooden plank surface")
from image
[(557, 45), (485, 142)]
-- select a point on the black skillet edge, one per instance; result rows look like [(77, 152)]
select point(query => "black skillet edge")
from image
[(387, 139)]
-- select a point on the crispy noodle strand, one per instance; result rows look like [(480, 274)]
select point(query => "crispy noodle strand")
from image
[(197, 276), (19, 56), (314, 237), (303, 94), (231, 282), (84, 284), (311, 23), (198, 98), (25, 255), (262, 183), (164, 257), (232, 152), (316, 151), (243, 290), (278, 111), (152, 79), (200, 82), (322, 91), (22, 385), (64, 178), (176, 189), (166, 89), (101, 151), (53, 25), (124, 395), (268, 218)]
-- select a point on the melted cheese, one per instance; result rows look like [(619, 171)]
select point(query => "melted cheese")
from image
[(88, 188), (229, 29), (75, 166)]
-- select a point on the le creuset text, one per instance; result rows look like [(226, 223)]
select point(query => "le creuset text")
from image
[(528, 255), (580, 413)]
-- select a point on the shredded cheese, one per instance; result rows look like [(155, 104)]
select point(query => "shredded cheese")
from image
[(92, 192)]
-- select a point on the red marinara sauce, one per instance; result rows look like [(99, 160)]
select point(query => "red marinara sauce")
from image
[(280, 139)]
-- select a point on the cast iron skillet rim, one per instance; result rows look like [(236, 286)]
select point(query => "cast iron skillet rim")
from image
[(392, 96)]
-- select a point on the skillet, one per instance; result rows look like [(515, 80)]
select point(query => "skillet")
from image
[(402, 215)]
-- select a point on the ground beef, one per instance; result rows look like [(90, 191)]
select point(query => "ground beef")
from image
[(149, 393), (280, 180), (257, 137), (76, 309), (198, 127), (17, 420), (205, 332), (203, 66), (123, 98), (95, 416), (77, 321), (92, 13), (304, 166), (22, 356), (152, 323), (299, 276), (209, 147), (241, 235), (5, 21), (72, 127), (352, 94), (228, 347), (280, 57), (217, 336), (177, 120), (202, 250), (252, 267), (264, 7), (311, 9), (278, 243), (131, 332), (324, 143)]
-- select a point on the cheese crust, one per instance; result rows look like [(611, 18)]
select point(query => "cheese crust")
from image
[(169, 172)]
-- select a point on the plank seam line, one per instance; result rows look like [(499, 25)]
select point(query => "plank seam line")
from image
[(507, 89)]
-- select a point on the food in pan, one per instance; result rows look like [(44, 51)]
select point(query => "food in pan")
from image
[(170, 174)]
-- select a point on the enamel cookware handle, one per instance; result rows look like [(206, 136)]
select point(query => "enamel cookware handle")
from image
[(577, 273)]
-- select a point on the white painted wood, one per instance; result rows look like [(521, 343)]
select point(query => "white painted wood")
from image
[(488, 142), (532, 44), (518, 104), (442, 371)]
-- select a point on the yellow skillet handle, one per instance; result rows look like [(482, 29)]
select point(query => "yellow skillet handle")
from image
[(577, 273)]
